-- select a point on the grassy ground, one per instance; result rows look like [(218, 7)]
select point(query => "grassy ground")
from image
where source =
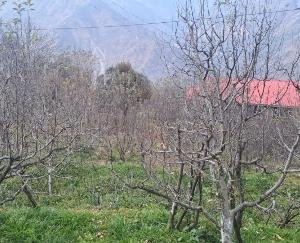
[(91, 205)]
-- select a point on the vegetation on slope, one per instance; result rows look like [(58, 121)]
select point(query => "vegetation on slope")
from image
[(91, 205)]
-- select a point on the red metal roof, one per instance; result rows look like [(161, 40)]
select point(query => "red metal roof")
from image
[(257, 92), (273, 93)]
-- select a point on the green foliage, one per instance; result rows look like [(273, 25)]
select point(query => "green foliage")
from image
[(91, 204), (262, 232), (123, 86), (46, 225), (61, 225)]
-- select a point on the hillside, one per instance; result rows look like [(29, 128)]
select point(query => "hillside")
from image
[(141, 45)]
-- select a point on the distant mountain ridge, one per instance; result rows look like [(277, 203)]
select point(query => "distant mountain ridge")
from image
[(141, 45)]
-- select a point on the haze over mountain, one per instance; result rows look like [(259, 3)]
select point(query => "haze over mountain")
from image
[(141, 45)]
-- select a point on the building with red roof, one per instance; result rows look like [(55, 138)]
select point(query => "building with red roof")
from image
[(278, 93), (272, 93)]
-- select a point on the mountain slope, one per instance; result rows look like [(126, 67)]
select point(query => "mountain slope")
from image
[(139, 44)]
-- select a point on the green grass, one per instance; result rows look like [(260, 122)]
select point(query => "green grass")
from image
[(91, 205), (57, 225), (46, 224)]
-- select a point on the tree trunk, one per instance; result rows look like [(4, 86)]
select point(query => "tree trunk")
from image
[(237, 224), (226, 227), (49, 183), (49, 171), (29, 196), (172, 214), (237, 232), (181, 219), (225, 204)]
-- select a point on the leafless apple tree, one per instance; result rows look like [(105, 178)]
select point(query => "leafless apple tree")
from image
[(39, 113), (121, 92), (218, 135)]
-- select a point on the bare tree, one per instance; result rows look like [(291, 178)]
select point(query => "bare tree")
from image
[(224, 48), (37, 120), (70, 77), (121, 92)]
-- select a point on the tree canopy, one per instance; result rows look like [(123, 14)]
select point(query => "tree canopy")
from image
[(124, 85)]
